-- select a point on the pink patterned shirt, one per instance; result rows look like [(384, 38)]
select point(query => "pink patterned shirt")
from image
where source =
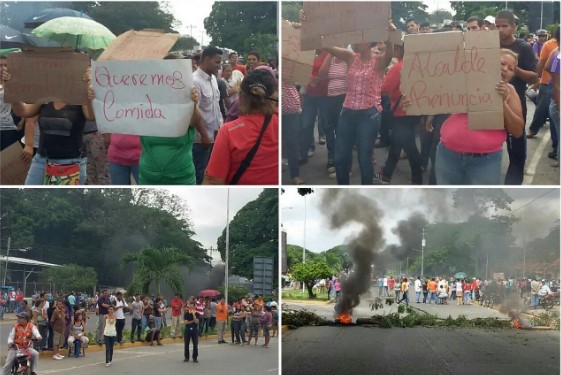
[(364, 84)]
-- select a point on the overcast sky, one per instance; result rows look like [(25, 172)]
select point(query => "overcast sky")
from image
[(192, 12), (536, 219), (208, 209)]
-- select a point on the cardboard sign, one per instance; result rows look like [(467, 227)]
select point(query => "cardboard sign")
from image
[(44, 75), (454, 72), (331, 24), (143, 97), (140, 45), (13, 170), (296, 64)]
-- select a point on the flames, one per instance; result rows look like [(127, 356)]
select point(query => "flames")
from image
[(345, 318), (516, 323)]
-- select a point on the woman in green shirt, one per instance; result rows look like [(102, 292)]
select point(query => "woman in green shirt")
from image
[(169, 161)]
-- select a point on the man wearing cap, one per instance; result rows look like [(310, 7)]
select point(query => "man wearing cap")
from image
[(489, 22), (525, 73), (538, 45), (21, 335)]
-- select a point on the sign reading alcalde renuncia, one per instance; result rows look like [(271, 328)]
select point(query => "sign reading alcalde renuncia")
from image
[(454, 72), (151, 97)]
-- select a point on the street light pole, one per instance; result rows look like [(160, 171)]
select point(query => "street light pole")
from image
[(227, 245), (423, 254), (304, 250), (7, 258)]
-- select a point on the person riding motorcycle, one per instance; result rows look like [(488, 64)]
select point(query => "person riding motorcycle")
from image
[(21, 336)]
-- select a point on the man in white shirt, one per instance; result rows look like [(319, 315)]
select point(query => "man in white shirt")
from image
[(21, 335), (120, 306), (418, 289), (385, 282), (204, 80)]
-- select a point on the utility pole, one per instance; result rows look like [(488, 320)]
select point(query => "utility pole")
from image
[(191, 27), (423, 255), (227, 245), (304, 250), (7, 258)]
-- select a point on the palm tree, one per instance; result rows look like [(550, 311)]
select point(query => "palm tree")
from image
[(158, 265)]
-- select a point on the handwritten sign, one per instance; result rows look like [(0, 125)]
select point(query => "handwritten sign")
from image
[(331, 24), (13, 170), (296, 64), (140, 45), (43, 75), (454, 72), (150, 98)]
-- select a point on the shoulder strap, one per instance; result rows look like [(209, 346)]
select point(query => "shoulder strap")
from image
[(245, 163), (396, 104)]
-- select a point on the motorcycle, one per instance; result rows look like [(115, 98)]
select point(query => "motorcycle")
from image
[(22, 363)]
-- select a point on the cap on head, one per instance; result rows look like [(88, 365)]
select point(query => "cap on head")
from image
[(258, 80), (23, 315), (490, 19), (541, 32)]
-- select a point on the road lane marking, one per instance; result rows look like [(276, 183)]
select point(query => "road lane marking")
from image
[(538, 154)]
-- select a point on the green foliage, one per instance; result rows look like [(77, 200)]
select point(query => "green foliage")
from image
[(264, 44), (253, 232), (71, 277), (96, 227), (402, 10), (235, 24), (438, 16), (153, 265), (310, 273), (294, 319), (291, 10), (185, 43)]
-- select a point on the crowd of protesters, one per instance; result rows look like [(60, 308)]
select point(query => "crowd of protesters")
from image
[(235, 112), (354, 98), (62, 321)]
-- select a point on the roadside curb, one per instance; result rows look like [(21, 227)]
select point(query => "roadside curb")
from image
[(93, 347)]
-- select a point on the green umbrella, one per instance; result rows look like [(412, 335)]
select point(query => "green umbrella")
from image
[(76, 32), (460, 275)]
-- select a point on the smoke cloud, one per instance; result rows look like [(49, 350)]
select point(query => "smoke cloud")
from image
[(343, 207)]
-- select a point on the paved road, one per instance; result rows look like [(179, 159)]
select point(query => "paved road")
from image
[(213, 359), (363, 310), (400, 351), (538, 165)]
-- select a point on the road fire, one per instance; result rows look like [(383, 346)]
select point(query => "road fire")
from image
[(345, 318)]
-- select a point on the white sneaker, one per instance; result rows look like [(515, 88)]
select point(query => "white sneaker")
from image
[(56, 357), (310, 153), (61, 356), (107, 365)]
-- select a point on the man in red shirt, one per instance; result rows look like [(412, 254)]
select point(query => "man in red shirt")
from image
[(176, 306), (233, 57), (391, 285)]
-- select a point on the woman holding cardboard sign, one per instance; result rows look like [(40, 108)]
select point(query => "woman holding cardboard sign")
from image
[(360, 116), (473, 157), (60, 159)]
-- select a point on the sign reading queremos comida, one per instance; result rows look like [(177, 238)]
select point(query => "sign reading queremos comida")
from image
[(151, 98)]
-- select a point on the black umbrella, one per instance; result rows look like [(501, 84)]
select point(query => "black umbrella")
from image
[(35, 41), (52, 13), (10, 38)]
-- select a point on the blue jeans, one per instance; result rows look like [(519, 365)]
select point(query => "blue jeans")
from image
[(200, 159), (542, 108), (100, 320), (356, 127), (144, 323), (431, 297), (453, 168), (312, 107), (121, 174), (466, 297), (36, 174), (534, 301), (403, 137), (516, 148), (333, 106), (417, 297), (109, 344), (554, 118), (290, 142)]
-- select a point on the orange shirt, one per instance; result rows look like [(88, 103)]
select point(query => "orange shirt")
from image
[(234, 141), (221, 312), (432, 286), (547, 48)]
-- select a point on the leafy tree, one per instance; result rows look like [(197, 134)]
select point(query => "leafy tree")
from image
[(264, 44), (294, 255), (439, 15), (310, 273), (72, 277), (253, 232), (185, 43), (483, 200), (402, 10), (156, 266), (231, 24), (291, 10), (235, 292)]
